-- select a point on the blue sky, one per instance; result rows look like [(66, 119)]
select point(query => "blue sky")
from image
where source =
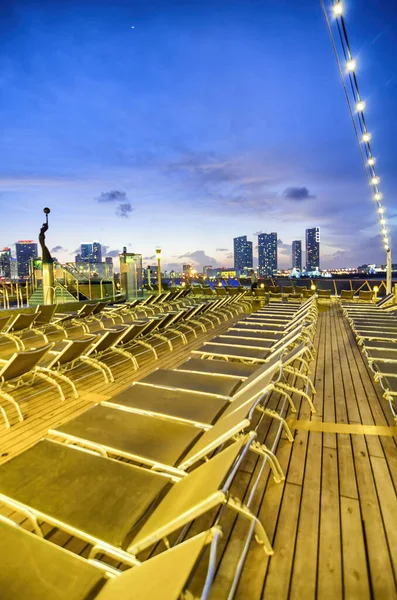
[(205, 121)]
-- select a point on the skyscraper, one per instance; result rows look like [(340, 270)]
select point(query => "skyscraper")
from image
[(243, 258), (86, 252), (96, 252), (5, 263), (267, 254), (313, 249), (297, 254), (26, 250)]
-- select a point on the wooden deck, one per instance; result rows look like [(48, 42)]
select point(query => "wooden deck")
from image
[(332, 522)]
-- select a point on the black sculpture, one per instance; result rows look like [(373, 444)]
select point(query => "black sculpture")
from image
[(45, 253)]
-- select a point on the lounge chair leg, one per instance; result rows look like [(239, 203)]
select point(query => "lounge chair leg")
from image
[(305, 378), (51, 380), (180, 333), (37, 332), (272, 413), (199, 324), (19, 344), (191, 329), (147, 345), (260, 533), (24, 512), (127, 355), (164, 339), (300, 392), (4, 415), (97, 364), (262, 450), (50, 372), (112, 552), (11, 400), (290, 401)]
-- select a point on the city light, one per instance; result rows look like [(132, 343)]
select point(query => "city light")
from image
[(338, 9), (351, 65), (360, 106), (366, 137)]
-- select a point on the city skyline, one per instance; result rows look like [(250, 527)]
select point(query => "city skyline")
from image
[(131, 142)]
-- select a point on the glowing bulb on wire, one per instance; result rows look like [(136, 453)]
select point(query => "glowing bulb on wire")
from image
[(338, 9), (381, 210), (375, 180), (360, 106), (383, 221), (377, 196), (371, 161), (351, 65), (366, 137)]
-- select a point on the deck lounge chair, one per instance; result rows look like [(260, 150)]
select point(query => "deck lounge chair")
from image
[(77, 317), (239, 371), (52, 573), (21, 369), (347, 296), (59, 361), (21, 323), (324, 294), (114, 505), (192, 406), (365, 296), (159, 443)]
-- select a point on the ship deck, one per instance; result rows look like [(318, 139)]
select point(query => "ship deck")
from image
[(331, 522)]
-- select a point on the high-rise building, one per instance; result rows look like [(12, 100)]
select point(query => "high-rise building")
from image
[(297, 254), (86, 253), (96, 252), (5, 263), (243, 258), (205, 270), (109, 260), (313, 249), (26, 250), (267, 254)]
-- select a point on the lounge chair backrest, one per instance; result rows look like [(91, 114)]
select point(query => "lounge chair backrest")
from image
[(22, 321), (229, 424), (324, 293), (131, 332), (275, 289), (86, 310), (23, 362), (3, 322), (45, 312), (99, 307), (288, 289), (292, 355), (193, 495), (365, 295), (163, 576), (258, 381), (300, 288), (347, 294), (105, 340), (72, 351)]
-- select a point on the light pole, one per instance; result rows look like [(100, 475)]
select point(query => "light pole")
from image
[(158, 254)]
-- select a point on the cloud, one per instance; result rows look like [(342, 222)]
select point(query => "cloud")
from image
[(112, 196), (124, 209), (149, 257), (283, 246), (58, 249), (297, 193), (257, 233), (199, 259), (222, 250), (113, 253)]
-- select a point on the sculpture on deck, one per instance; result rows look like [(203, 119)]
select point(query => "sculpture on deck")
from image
[(45, 253)]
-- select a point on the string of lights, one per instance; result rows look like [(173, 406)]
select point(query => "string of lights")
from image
[(357, 107)]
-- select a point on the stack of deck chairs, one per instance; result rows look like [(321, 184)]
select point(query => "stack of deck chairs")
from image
[(130, 476), (375, 329)]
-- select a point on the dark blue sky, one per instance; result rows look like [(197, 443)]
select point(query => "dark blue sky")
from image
[(193, 127)]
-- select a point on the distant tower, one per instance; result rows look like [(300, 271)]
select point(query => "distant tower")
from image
[(86, 252), (26, 250), (96, 252), (5, 263), (297, 254), (267, 254), (243, 256), (313, 249)]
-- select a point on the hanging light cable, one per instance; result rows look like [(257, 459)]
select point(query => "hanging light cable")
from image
[(357, 112)]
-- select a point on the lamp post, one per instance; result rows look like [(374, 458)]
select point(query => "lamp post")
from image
[(158, 255)]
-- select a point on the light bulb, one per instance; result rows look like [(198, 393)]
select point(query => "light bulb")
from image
[(375, 180), (382, 221), (377, 196), (381, 210), (338, 9), (351, 65), (366, 137), (371, 161), (360, 106)]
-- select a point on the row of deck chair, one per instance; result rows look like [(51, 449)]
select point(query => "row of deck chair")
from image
[(167, 424), (50, 362), (375, 329)]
